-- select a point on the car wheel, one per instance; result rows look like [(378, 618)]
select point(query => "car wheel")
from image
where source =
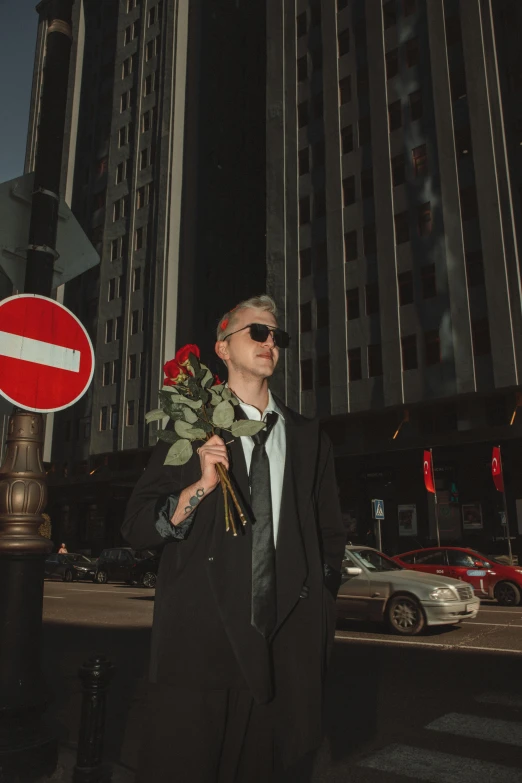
[(101, 577), (148, 579), (507, 594), (404, 615), (68, 576)]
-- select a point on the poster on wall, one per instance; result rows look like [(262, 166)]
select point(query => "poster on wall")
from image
[(407, 515), (472, 516)]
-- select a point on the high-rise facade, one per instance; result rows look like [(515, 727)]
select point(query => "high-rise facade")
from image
[(394, 229)]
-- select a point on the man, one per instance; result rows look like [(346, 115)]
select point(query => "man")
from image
[(243, 625)]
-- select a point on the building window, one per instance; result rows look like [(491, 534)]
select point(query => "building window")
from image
[(149, 85), (103, 418), (106, 373), (115, 370), (131, 4), (140, 197), (304, 210), (365, 131), (138, 238), (372, 298), (367, 183), (425, 221), (389, 14), (116, 210), (305, 262), (420, 161), (395, 115), (347, 139), (428, 281), (354, 364), (120, 286), (409, 352), (123, 136), (475, 269), (415, 105), (301, 25), (109, 330), (323, 371), (112, 289), (302, 114), (115, 249), (302, 68), (126, 68), (392, 63), (118, 331), (412, 52), (343, 42), (135, 321), (353, 308), (350, 246), (468, 203), (124, 101), (374, 361), (318, 154), (432, 347), (398, 169), (144, 159), (307, 375), (405, 282), (119, 173), (345, 90), (402, 228), (152, 15), (322, 317), (131, 366), (319, 204), (348, 191), (305, 317), (149, 50), (130, 413), (481, 337), (369, 239), (136, 278), (114, 417)]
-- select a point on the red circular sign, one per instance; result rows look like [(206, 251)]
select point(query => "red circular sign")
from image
[(46, 355)]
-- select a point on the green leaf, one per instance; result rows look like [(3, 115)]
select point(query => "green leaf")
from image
[(195, 404), (194, 363), (227, 394), (155, 415), (219, 388), (168, 436), (207, 379), (246, 427), (189, 415), (179, 453), (215, 399), (223, 415), (186, 430)]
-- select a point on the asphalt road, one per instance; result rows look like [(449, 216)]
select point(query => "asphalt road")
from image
[(444, 707)]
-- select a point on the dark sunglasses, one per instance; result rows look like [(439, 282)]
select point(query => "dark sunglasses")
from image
[(260, 332)]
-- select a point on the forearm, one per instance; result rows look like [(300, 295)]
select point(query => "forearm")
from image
[(189, 500)]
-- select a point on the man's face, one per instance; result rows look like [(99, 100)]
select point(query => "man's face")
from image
[(244, 355)]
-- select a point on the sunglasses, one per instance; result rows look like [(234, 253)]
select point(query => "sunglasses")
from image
[(260, 332)]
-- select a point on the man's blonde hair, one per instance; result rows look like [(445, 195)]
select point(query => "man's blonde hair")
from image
[(261, 302)]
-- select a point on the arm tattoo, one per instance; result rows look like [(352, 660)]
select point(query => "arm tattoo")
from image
[(194, 501)]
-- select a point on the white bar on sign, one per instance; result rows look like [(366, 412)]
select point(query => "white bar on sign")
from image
[(15, 346)]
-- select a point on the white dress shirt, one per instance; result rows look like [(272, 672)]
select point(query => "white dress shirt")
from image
[(276, 452)]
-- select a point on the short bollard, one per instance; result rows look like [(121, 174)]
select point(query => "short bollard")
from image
[(95, 675)]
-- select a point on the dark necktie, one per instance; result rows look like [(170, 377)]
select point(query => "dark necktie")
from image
[(264, 604)]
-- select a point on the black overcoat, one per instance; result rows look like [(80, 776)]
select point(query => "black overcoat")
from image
[(202, 629)]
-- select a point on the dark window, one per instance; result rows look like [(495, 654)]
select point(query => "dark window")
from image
[(481, 338), (415, 105), (316, 56), (428, 281), (348, 190), (114, 417), (389, 14), (304, 161), (118, 332), (305, 262), (352, 304), (354, 364), (322, 313), (457, 557), (109, 331), (319, 204), (130, 413), (374, 360), (112, 289), (315, 14), (402, 227), (302, 114), (398, 170), (409, 352), (307, 374), (458, 82), (144, 159), (369, 239), (363, 82), (372, 298), (431, 558), (138, 238), (345, 90), (412, 52), (405, 281), (420, 161), (136, 278), (318, 154), (140, 197), (343, 42), (301, 24), (468, 203), (463, 142), (392, 63), (103, 418), (135, 320), (304, 210), (318, 105), (347, 139), (365, 131), (152, 15), (408, 7), (395, 115), (432, 347), (302, 68), (475, 268), (350, 246), (132, 366), (149, 84), (305, 312), (367, 183), (453, 30), (106, 374), (323, 371), (425, 221)]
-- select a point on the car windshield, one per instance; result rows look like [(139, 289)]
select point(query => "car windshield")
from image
[(486, 559), (71, 558), (374, 561)]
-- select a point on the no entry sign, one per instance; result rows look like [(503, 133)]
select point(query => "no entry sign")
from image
[(46, 356)]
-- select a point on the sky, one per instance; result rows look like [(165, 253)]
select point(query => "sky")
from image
[(18, 26)]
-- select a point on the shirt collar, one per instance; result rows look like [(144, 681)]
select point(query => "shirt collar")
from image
[(272, 407)]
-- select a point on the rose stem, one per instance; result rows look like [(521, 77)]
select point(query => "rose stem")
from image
[(226, 479), (227, 512)]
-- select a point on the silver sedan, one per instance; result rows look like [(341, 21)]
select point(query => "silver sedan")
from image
[(374, 587)]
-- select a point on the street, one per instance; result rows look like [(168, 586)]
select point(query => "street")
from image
[(443, 707)]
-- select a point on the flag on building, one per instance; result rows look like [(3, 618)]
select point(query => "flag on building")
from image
[(428, 472), (496, 469)]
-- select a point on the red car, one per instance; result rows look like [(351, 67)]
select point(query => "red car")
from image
[(489, 578)]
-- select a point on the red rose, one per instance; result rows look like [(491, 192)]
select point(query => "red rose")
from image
[(217, 381), (182, 355), (173, 372)]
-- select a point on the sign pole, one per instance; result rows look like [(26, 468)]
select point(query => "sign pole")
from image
[(378, 515), (510, 553), (435, 499)]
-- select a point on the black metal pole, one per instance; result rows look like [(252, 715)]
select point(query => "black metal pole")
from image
[(96, 675), (27, 750)]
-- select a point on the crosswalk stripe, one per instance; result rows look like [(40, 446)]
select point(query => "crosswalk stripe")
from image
[(491, 729), (437, 767), (502, 699)]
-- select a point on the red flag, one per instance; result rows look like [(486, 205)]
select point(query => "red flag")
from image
[(496, 469), (428, 472)]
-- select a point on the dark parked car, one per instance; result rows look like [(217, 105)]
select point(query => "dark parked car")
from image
[(124, 564), (70, 567)]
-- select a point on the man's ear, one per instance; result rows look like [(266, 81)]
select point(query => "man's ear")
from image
[(221, 349)]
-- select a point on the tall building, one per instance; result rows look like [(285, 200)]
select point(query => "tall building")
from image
[(164, 168), (394, 226)]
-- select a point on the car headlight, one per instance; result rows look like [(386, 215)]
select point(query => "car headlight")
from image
[(443, 594), (80, 568)]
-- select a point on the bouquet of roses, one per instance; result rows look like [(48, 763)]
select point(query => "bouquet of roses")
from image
[(200, 406)]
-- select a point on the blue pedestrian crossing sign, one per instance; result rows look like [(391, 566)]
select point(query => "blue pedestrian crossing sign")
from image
[(378, 509)]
